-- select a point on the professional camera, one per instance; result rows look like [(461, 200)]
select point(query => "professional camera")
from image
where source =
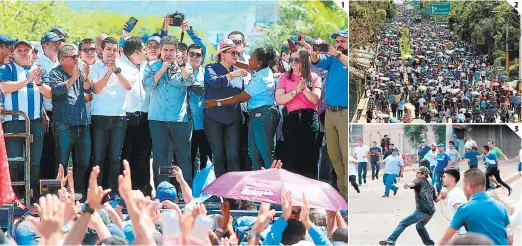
[(177, 18)]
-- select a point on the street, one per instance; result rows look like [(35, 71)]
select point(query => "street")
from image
[(373, 218)]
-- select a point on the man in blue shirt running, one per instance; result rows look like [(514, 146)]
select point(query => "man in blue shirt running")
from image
[(442, 162), (472, 155), (492, 168)]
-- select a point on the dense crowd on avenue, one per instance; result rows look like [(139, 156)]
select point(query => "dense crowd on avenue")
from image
[(153, 101), (444, 79)]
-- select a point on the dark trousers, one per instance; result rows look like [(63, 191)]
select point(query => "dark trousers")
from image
[(245, 161), (224, 140), (200, 150), (15, 147), (362, 171), (353, 182), (48, 161), (108, 132), (179, 133), (493, 171), (301, 131), (326, 171), (75, 140), (375, 169), (136, 150)]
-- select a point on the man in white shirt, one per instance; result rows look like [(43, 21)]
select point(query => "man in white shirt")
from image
[(137, 145), (351, 174), (361, 153), (50, 44), (108, 112), (455, 195), (469, 143)]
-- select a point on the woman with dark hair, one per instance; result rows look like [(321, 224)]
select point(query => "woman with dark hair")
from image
[(222, 124), (300, 91), (264, 116)]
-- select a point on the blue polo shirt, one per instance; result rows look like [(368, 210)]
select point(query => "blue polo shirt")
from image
[(261, 89), (442, 162), (472, 156), (423, 151), (393, 164), (483, 215), (336, 89)]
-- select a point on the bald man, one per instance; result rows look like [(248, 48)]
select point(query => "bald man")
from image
[(99, 40)]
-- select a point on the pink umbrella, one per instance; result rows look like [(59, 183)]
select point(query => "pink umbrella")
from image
[(268, 186)]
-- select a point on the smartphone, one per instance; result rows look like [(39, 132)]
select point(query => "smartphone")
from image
[(105, 199), (165, 170), (323, 47), (131, 24)]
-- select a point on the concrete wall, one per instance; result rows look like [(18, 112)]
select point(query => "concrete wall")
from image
[(503, 136)]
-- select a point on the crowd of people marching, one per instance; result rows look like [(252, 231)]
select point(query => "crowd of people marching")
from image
[(444, 79), (132, 98), (466, 202)]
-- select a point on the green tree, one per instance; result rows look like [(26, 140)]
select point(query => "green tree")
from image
[(440, 133), (415, 133), (318, 19), (366, 18)]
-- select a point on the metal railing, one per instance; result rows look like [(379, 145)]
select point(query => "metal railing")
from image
[(26, 159)]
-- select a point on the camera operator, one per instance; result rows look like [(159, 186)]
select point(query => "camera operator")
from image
[(336, 90), (168, 109)]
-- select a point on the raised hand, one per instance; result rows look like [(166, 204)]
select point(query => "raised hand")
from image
[(275, 164), (286, 205), (49, 227), (125, 182), (178, 174), (95, 193), (305, 214)]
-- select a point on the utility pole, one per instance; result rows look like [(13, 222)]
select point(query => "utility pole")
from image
[(507, 47)]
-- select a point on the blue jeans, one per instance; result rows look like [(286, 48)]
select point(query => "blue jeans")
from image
[(520, 166), (224, 141), (437, 178), (376, 167), (180, 134), (79, 137), (418, 218), (108, 133), (261, 135), (388, 179), (362, 170), (15, 147)]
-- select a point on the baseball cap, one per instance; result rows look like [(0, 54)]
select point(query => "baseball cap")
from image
[(4, 39), (392, 144), (166, 191), (422, 170), (145, 37), (424, 140), (51, 37), (22, 42), (395, 149), (58, 30), (154, 38), (342, 32), (441, 145)]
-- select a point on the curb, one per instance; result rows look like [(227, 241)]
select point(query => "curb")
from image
[(503, 198)]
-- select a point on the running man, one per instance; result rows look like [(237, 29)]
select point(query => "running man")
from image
[(498, 153), (492, 167), (423, 150), (351, 174), (394, 165), (443, 160), (425, 199), (454, 155), (472, 155), (454, 195), (361, 153), (375, 153)]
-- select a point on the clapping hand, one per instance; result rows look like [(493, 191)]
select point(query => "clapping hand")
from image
[(49, 227), (287, 205), (305, 214)]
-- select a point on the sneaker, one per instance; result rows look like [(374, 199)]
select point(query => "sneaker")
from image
[(386, 242), (365, 181), (395, 191), (385, 195), (509, 191)]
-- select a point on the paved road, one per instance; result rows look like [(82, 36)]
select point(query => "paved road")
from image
[(373, 218)]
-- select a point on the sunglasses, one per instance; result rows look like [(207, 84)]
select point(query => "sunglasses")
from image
[(75, 57), (89, 50), (235, 53), (296, 60), (193, 54), (237, 41)]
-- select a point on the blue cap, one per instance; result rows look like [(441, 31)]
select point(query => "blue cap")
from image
[(342, 32), (4, 39), (51, 37), (395, 149), (56, 29), (166, 191), (122, 42), (442, 145), (154, 38), (145, 37)]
